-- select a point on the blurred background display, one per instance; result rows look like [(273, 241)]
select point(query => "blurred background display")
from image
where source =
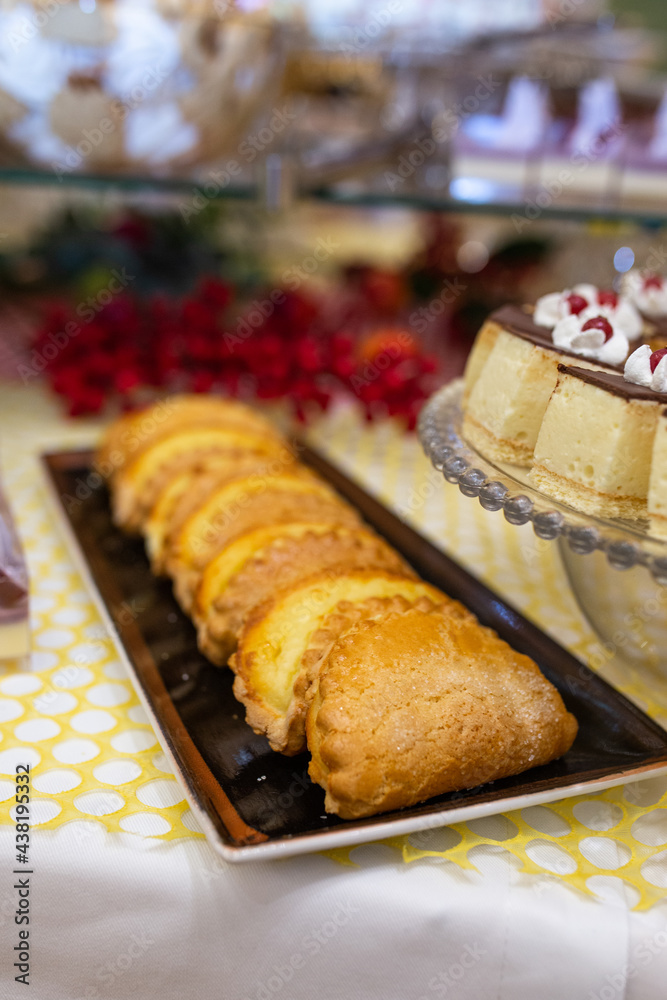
[(392, 172)]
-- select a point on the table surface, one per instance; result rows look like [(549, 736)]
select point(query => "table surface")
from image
[(129, 899)]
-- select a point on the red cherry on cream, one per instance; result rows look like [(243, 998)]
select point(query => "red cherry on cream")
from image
[(653, 281), (599, 323), (608, 298), (657, 357), (577, 303)]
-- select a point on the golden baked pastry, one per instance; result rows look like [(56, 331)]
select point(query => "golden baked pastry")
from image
[(417, 704), (187, 491), (138, 430), (264, 561), (426, 702), (238, 507), (138, 485), (284, 639)]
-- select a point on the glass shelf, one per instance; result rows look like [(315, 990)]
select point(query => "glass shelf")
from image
[(477, 197)]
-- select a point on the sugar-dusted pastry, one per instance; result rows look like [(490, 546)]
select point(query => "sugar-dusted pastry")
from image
[(506, 402), (421, 703), (241, 506), (138, 485), (284, 639), (596, 441), (187, 491), (138, 430), (250, 570), (657, 488)]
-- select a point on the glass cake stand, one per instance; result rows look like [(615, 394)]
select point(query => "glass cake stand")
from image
[(628, 608)]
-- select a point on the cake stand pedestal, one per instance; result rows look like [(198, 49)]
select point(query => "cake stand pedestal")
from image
[(617, 569)]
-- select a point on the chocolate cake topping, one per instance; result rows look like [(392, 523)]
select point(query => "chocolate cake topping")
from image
[(615, 384)]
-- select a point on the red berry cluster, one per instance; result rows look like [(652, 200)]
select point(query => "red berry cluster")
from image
[(393, 376), (283, 346)]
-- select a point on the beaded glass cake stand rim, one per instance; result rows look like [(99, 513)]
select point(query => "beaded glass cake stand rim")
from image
[(625, 543)]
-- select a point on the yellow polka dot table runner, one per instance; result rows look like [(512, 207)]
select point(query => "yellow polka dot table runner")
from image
[(72, 713)]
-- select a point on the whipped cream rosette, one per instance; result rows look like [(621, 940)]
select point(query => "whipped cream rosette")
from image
[(552, 309), (593, 335), (647, 291), (648, 368)]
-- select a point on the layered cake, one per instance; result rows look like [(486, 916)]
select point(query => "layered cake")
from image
[(657, 487), (511, 377), (562, 388), (273, 562), (595, 445)]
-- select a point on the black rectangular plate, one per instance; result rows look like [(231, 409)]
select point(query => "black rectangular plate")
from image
[(254, 803)]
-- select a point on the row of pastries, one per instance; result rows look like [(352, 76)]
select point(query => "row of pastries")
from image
[(395, 689)]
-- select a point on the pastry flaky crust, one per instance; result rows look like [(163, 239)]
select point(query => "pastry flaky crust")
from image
[(188, 491), (284, 640), (139, 484), (282, 563), (134, 432), (397, 690), (418, 704), (280, 500)]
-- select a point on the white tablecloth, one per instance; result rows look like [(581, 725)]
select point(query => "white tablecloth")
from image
[(115, 917)]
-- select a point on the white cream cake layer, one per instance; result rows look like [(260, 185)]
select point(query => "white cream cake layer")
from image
[(595, 444), (508, 401), (657, 489)]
